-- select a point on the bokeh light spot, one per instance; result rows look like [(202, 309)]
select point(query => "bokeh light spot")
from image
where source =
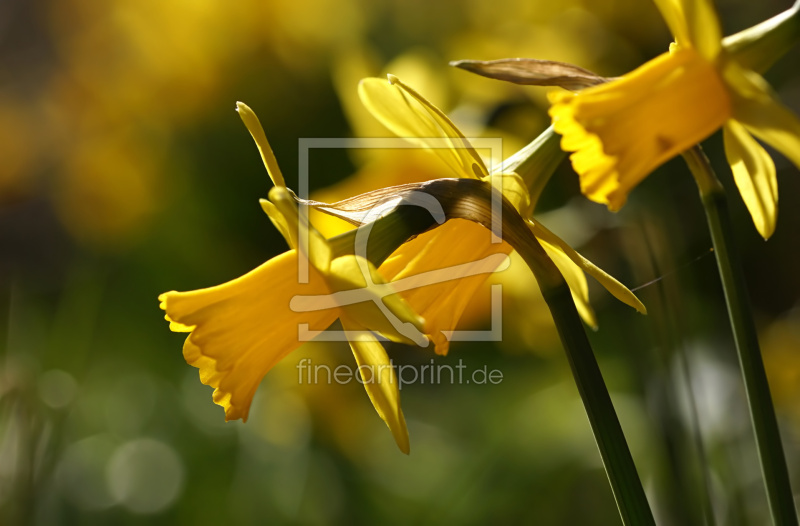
[(57, 388), (145, 475)]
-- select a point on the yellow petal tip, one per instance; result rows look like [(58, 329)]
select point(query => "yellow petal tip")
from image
[(242, 107)]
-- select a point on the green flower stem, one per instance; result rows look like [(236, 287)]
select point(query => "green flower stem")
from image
[(762, 412), (617, 460), (473, 199), (625, 483)]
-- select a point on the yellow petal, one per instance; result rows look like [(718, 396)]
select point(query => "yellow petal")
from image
[(617, 289), (178, 327), (622, 130), (672, 12), (288, 232), (411, 116), (759, 111), (576, 280), (365, 298), (453, 261), (174, 326), (379, 379), (703, 25), (758, 47), (253, 125), (694, 24), (312, 245), (244, 327), (754, 173)]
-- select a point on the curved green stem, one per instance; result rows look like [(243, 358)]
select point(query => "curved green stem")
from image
[(762, 412), (472, 199), (620, 468), (617, 460)]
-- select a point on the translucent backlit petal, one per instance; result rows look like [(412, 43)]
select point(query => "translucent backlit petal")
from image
[(451, 261), (617, 289), (754, 173), (244, 327), (694, 24), (672, 11), (250, 120), (411, 116), (373, 303), (703, 26), (576, 280), (759, 111), (379, 379), (288, 232), (311, 244), (622, 130)]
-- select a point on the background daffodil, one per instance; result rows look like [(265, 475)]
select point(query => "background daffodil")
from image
[(411, 116), (622, 130)]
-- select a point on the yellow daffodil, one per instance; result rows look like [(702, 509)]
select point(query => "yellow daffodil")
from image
[(411, 116), (239, 330), (622, 130)]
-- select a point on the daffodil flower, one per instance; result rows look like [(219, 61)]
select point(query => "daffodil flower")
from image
[(622, 130), (239, 330), (409, 115)]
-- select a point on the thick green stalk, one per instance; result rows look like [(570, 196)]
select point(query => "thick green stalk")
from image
[(472, 199), (762, 412), (620, 468), (625, 483)]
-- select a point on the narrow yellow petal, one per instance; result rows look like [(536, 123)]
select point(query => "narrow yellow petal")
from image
[(576, 280), (754, 173), (461, 144), (705, 33), (409, 115), (250, 120), (694, 24), (674, 16), (379, 379), (288, 232), (617, 289), (311, 244), (758, 47), (755, 107), (242, 328)]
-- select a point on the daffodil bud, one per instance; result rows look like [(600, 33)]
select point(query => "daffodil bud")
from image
[(533, 72)]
